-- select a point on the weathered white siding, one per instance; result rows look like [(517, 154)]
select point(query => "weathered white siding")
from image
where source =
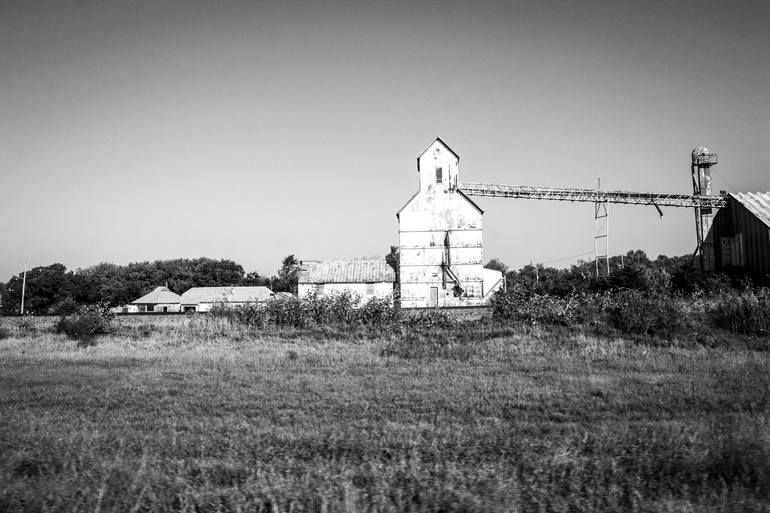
[(362, 290), (438, 217)]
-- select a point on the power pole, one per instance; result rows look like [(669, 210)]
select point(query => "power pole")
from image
[(23, 288)]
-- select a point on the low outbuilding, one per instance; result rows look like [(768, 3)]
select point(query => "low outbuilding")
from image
[(159, 300), (366, 278), (202, 299)]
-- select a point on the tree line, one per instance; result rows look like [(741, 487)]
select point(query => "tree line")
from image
[(634, 270), (53, 289)]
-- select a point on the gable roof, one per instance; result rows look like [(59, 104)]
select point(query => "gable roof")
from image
[(157, 296), (445, 145), (346, 271), (225, 294), (758, 203)]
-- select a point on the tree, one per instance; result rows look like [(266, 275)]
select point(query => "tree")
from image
[(253, 279), (497, 265), (46, 286), (288, 276)]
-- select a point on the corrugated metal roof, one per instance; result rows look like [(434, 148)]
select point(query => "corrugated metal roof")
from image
[(758, 203), (198, 295), (157, 296), (347, 271)]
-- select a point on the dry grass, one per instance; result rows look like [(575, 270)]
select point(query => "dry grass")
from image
[(193, 414)]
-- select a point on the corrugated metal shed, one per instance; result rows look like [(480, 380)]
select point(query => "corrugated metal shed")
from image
[(197, 295), (161, 295), (741, 235), (346, 271)]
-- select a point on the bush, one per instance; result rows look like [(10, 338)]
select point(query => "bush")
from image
[(429, 319), (87, 324), (745, 312), (634, 312), (518, 304)]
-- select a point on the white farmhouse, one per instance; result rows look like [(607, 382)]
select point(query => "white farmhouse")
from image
[(365, 278), (440, 239)]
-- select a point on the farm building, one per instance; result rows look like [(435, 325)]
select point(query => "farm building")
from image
[(741, 235), (202, 299), (440, 239), (159, 300), (366, 278)]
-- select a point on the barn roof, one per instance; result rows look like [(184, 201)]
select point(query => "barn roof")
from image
[(198, 295), (346, 271), (157, 296), (758, 203)]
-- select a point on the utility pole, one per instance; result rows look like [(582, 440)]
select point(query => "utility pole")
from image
[(23, 288)]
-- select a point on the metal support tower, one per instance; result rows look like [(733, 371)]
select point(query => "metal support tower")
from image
[(702, 160), (601, 236)]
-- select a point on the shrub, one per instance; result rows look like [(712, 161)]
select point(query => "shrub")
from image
[(745, 312), (429, 319), (634, 312), (518, 304), (378, 312), (87, 324)]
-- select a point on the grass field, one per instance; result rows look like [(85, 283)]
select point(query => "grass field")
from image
[(184, 415)]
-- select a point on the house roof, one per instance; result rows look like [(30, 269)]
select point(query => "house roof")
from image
[(225, 294), (346, 271), (157, 296), (758, 203)]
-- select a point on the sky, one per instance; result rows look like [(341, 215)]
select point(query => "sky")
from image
[(143, 130)]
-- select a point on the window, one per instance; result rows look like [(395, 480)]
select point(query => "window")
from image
[(150, 308), (370, 289), (439, 175)]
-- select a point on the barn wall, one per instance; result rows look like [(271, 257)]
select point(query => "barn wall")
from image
[(741, 241), (381, 289)]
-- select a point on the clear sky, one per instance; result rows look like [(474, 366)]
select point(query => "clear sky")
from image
[(141, 130)]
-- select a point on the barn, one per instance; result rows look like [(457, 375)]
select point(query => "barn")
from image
[(366, 278), (741, 235), (159, 300), (440, 239), (202, 299)]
